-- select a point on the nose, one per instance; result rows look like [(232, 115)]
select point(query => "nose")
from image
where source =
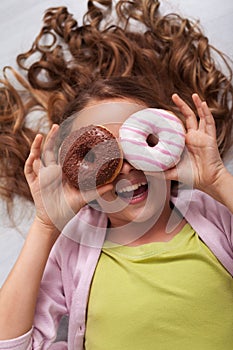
[(126, 167)]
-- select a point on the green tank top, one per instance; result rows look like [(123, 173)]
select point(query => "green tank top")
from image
[(171, 295)]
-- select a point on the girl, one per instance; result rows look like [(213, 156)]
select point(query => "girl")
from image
[(118, 274), (101, 315)]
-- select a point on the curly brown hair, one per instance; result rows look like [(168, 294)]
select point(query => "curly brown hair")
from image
[(104, 57)]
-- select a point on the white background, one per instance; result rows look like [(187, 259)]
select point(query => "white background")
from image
[(21, 20)]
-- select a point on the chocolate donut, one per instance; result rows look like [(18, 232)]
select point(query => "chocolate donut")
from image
[(90, 157)]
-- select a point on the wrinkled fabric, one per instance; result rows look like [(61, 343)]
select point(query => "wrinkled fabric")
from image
[(70, 268)]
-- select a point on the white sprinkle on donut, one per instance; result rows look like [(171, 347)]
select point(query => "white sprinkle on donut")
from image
[(165, 127)]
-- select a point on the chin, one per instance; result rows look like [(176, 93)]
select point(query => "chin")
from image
[(147, 214), (133, 215)]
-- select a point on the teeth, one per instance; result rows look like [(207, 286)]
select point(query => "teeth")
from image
[(131, 188)]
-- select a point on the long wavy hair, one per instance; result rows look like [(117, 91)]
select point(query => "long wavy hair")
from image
[(127, 51)]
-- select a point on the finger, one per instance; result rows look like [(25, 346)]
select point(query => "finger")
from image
[(48, 149), (190, 117), (34, 157), (198, 104), (90, 195), (209, 120), (28, 168), (171, 174), (197, 101), (183, 171), (105, 188)]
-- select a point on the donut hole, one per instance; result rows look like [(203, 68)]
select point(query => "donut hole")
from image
[(90, 157), (152, 140)]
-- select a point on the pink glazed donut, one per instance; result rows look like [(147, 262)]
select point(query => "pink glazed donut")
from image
[(165, 127)]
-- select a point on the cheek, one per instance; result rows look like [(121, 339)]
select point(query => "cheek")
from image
[(159, 191)]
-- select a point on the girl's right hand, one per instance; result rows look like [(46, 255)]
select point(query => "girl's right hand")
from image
[(56, 201)]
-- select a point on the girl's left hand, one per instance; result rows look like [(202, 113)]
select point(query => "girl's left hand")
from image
[(201, 165)]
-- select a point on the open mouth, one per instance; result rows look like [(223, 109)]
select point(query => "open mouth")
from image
[(133, 192)]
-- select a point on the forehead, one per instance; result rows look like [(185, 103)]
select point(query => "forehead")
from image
[(110, 114)]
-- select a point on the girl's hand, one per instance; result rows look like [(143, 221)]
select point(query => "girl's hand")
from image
[(201, 165), (56, 201)]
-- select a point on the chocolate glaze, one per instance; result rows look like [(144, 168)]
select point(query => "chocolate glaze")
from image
[(90, 157)]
